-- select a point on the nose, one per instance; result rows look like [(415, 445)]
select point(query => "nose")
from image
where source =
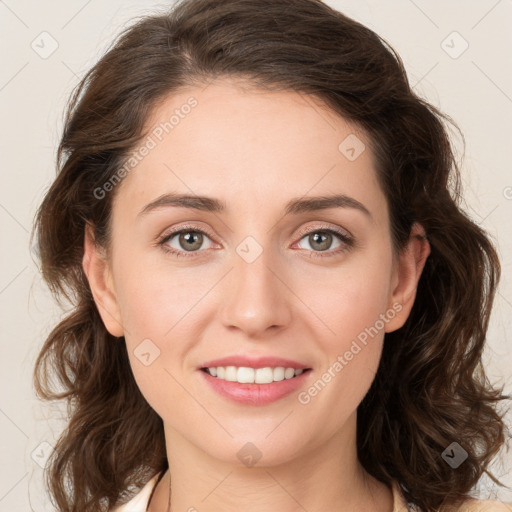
[(255, 297)]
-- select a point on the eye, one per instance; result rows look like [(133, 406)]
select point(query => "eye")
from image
[(189, 240), (320, 240), (183, 241)]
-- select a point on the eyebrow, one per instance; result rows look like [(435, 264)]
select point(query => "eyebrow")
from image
[(294, 206)]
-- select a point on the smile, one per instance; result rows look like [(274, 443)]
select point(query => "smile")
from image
[(247, 375)]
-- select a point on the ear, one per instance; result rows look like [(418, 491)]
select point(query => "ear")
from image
[(406, 275), (97, 270)]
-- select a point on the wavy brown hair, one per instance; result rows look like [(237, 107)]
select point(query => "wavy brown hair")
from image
[(430, 389)]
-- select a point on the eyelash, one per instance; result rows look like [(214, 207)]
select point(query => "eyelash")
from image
[(347, 240)]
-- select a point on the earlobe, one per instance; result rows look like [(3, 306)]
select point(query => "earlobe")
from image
[(98, 274), (411, 262)]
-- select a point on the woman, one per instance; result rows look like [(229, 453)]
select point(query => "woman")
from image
[(277, 303)]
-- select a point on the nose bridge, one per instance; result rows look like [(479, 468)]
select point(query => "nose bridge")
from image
[(255, 297)]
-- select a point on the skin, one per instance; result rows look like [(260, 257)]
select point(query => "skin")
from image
[(255, 150)]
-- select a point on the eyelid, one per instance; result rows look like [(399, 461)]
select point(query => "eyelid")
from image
[(190, 227), (324, 226), (302, 232)]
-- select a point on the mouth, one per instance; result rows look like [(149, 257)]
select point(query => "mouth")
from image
[(248, 375), (255, 386)]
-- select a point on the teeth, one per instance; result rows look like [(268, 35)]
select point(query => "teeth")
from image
[(230, 373), (289, 373), (245, 375), (278, 373)]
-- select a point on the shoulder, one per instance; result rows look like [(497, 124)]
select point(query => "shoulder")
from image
[(471, 505), (139, 503)]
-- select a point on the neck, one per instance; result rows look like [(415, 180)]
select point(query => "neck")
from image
[(326, 477)]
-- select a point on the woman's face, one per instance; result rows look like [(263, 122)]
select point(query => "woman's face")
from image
[(258, 271)]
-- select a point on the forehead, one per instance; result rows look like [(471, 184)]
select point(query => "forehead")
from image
[(238, 142)]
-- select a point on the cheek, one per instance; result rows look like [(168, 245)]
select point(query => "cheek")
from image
[(154, 308), (156, 305), (355, 310), (353, 304), (350, 300), (154, 297)]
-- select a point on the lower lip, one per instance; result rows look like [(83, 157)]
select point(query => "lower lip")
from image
[(255, 394)]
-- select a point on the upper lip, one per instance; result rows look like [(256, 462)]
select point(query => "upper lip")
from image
[(255, 362)]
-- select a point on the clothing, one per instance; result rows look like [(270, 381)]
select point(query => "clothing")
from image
[(140, 502)]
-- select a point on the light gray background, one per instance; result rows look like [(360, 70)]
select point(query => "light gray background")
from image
[(474, 88)]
